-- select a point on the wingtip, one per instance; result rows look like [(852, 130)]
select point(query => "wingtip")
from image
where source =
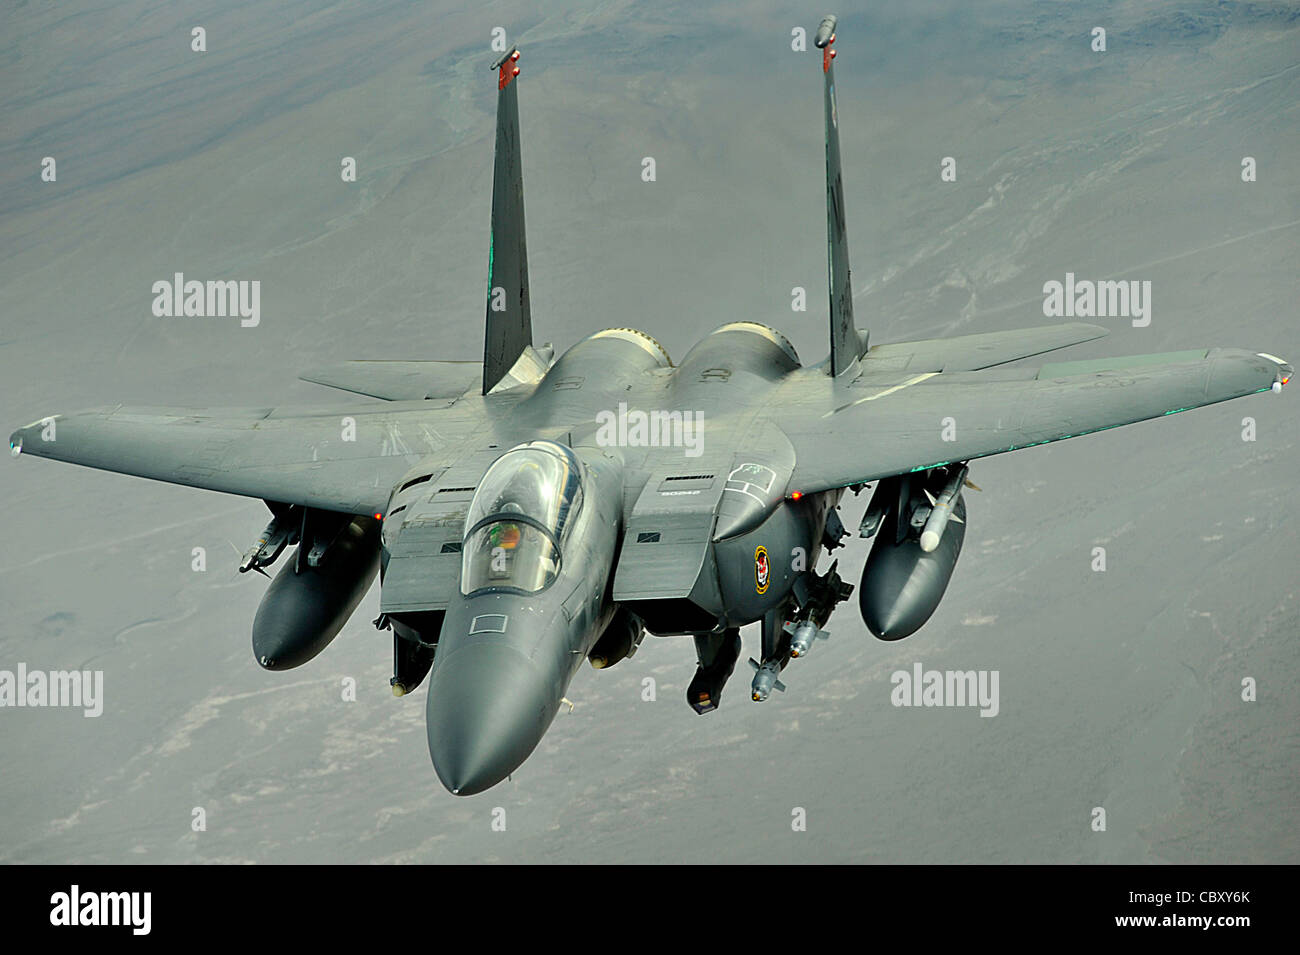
[(32, 431), (1285, 370)]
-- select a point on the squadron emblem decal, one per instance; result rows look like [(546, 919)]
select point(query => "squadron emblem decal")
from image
[(762, 570)]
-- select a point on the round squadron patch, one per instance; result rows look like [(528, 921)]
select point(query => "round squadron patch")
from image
[(762, 570)]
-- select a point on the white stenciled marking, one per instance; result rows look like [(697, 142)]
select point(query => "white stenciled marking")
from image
[(880, 394)]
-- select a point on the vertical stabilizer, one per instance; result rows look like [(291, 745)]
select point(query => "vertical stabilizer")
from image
[(509, 322), (846, 344)]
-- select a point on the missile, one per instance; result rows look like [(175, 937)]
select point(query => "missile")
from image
[(802, 635), (765, 678), (941, 511)]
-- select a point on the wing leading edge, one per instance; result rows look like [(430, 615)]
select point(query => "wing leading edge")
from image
[(925, 420), (291, 457), (400, 380), (974, 352)]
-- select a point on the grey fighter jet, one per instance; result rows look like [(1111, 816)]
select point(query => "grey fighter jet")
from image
[(532, 512)]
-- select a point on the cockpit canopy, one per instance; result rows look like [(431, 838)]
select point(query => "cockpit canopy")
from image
[(519, 519)]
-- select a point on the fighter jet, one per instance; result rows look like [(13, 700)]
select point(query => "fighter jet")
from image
[(532, 511)]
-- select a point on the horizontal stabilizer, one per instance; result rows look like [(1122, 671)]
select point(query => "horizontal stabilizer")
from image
[(973, 352), (400, 380)]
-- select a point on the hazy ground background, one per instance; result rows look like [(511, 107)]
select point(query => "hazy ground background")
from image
[(1118, 689)]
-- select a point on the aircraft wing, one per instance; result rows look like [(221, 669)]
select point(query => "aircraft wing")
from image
[(974, 352), (881, 429), (400, 380), (291, 456)]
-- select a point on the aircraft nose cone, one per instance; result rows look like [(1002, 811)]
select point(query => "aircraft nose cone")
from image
[(487, 710)]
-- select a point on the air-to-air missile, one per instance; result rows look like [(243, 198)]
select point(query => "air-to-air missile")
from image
[(802, 635), (941, 511), (765, 678), (315, 593)]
